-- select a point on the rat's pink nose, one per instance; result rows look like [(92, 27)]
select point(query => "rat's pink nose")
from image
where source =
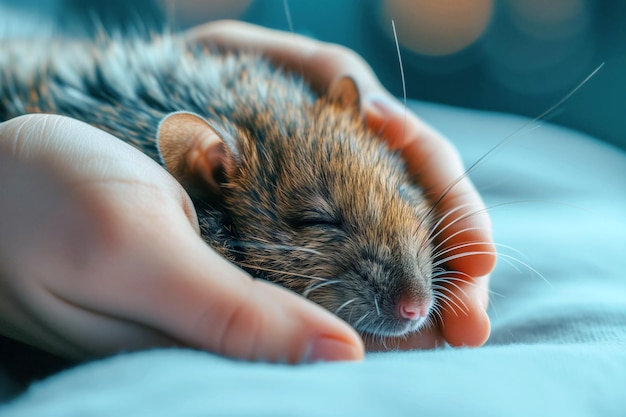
[(411, 310)]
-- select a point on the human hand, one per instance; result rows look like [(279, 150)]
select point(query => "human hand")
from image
[(464, 235), (100, 252)]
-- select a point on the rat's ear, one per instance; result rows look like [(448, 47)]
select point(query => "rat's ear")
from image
[(193, 152), (346, 94)]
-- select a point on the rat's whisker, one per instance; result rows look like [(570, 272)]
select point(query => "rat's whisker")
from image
[(469, 244), (436, 276), (438, 270), (377, 328), (449, 258), (460, 255), (272, 246), (436, 306), (443, 242), (314, 287), (457, 247), (531, 123), (435, 232), (461, 218), (450, 212), (435, 313), (444, 272), (450, 298), (431, 321), (444, 299), (441, 288), (467, 215), (376, 304), (395, 38), (383, 341), (501, 255), (455, 285), (466, 281), (360, 320), (264, 243), (341, 307), (288, 16), (274, 271)]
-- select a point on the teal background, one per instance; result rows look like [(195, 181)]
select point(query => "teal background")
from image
[(473, 78)]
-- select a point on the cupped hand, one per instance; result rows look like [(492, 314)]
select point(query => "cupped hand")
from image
[(100, 252), (463, 238)]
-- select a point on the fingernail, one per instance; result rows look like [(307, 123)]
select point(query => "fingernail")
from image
[(326, 349)]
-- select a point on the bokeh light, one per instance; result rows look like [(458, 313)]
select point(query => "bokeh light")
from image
[(549, 19), (438, 27), (539, 47)]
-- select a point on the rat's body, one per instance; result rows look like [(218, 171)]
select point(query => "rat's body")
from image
[(311, 199)]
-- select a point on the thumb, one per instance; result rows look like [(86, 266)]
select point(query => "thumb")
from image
[(229, 313), (196, 296)]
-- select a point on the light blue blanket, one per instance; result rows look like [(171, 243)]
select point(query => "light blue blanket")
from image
[(558, 345)]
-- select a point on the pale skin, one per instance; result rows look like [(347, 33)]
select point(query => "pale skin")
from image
[(100, 249)]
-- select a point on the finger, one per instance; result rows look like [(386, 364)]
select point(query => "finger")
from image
[(321, 63), (465, 320), (236, 316), (197, 297)]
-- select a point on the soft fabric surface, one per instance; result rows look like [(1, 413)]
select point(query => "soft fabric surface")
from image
[(558, 345)]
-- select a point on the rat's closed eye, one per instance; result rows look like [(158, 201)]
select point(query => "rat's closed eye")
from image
[(315, 218)]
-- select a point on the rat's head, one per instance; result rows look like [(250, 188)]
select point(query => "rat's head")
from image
[(317, 204)]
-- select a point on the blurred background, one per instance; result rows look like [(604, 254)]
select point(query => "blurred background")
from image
[(515, 56)]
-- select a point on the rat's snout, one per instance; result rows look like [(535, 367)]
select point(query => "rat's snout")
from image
[(410, 309)]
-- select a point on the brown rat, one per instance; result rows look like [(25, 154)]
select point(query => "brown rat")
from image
[(289, 185)]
